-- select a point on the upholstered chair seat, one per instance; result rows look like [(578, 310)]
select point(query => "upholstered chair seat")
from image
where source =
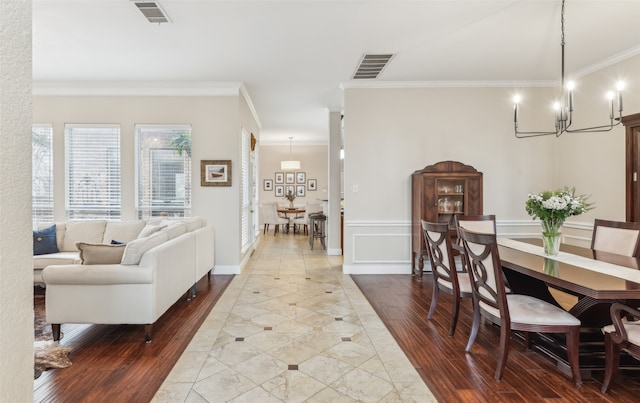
[(525, 309), (622, 335)]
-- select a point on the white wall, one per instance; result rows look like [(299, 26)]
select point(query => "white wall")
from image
[(16, 246), (216, 126), (391, 132)]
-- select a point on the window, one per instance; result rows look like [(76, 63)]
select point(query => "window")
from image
[(164, 171), (42, 174), (244, 190), (92, 171)]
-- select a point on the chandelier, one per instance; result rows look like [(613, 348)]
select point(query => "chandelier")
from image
[(564, 107), (290, 165)]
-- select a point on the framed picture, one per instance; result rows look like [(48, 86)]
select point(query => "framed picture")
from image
[(215, 173), (301, 178), (290, 178), (299, 190), (312, 184), (267, 185), (279, 190), (289, 188), (279, 177)]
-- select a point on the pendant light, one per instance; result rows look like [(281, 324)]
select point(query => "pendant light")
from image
[(290, 165)]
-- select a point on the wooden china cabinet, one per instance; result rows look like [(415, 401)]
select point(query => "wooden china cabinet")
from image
[(439, 192)]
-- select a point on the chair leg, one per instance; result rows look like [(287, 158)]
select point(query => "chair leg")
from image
[(475, 326), (612, 362), (266, 228), (573, 349), (454, 315), (505, 339), (55, 331), (434, 300)]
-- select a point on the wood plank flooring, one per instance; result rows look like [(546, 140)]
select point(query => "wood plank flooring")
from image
[(112, 363), (402, 303)]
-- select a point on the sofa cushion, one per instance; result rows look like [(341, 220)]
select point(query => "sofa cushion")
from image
[(98, 253), (175, 230), (83, 231), (44, 241), (149, 230), (194, 223), (122, 231), (135, 249), (42, 261)]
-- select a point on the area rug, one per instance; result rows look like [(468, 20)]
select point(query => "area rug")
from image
[(47, 353)]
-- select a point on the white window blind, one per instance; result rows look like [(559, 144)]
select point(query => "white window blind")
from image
[(42, 174), (244, 189), (92, 171), (163, 170)]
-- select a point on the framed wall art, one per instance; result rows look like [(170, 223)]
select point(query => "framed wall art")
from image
[(267, 185), (289, 188), (279, 190), (279, 177), (300, 191), (312, 184), (290, 178), (301, 178), (215, 173)]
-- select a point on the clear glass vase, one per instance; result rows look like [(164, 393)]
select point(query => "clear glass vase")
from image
[(551, 236)]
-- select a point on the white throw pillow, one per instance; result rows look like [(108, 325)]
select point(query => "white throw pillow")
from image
[(150, 230), (122, 231), (135, 249)]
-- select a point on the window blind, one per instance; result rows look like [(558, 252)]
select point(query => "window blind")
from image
[(244, 189), (42, 174), (92, 171), (163, 170)]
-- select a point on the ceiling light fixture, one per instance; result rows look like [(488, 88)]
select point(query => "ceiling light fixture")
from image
[(564, 107), (290, 165)]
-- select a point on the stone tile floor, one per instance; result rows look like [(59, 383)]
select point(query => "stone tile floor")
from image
[(293, 328)]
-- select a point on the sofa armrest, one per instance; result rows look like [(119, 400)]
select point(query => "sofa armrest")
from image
[(97, 274)]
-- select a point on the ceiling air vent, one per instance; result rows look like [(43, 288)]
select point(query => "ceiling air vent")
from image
[(371, 65), (152, 11)]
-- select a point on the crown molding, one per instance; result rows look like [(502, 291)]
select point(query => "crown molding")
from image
[(139, 88), (245, 94), (617, 58), (446, 84)]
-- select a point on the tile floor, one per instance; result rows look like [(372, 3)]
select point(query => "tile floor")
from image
[(293, 328)]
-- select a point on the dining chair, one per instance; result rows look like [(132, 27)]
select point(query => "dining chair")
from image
[(270, 216), (303, 221), (512, 311), (619, 237), (623, 334), (443, 269)]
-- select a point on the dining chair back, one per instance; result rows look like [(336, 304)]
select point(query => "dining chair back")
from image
[(484, 224), (303, 222), (269, 213), (512, 311), (622, 335), (443, 269), (619, 237)]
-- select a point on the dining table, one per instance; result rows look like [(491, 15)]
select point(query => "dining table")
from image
[(295, 211), (596, 279)]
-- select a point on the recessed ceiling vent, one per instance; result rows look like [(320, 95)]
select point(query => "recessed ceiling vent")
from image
[(152, 11), (371, 65)]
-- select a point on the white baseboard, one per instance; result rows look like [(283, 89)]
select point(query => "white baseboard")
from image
[(376, 269), (226, 269)]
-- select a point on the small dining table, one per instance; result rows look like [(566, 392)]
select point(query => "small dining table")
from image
[(286, 211), (597, 279)]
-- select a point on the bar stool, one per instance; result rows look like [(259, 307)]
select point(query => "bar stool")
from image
[(316, 229)]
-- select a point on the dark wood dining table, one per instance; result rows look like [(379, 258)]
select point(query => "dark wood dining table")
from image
[(287, 211), (531, 274)]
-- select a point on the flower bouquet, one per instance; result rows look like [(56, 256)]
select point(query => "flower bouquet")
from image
[(291, 196), (552, 208)]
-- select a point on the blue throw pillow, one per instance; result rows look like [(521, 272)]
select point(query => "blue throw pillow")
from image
[(114, 242), (44, 241)]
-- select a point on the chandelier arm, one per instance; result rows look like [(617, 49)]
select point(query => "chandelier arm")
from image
[(522, 135), (595, 129)]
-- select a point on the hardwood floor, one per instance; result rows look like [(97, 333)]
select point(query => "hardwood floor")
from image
[(112, 363), (453, 376)]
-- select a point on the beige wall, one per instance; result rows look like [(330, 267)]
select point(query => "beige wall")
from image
[(313, 162), (216, 126), (16, 247), (389, 133)]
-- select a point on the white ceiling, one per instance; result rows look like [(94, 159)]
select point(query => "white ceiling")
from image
[(292, 56)]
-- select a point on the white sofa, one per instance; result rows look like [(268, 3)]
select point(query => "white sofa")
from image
[(153, 273)]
